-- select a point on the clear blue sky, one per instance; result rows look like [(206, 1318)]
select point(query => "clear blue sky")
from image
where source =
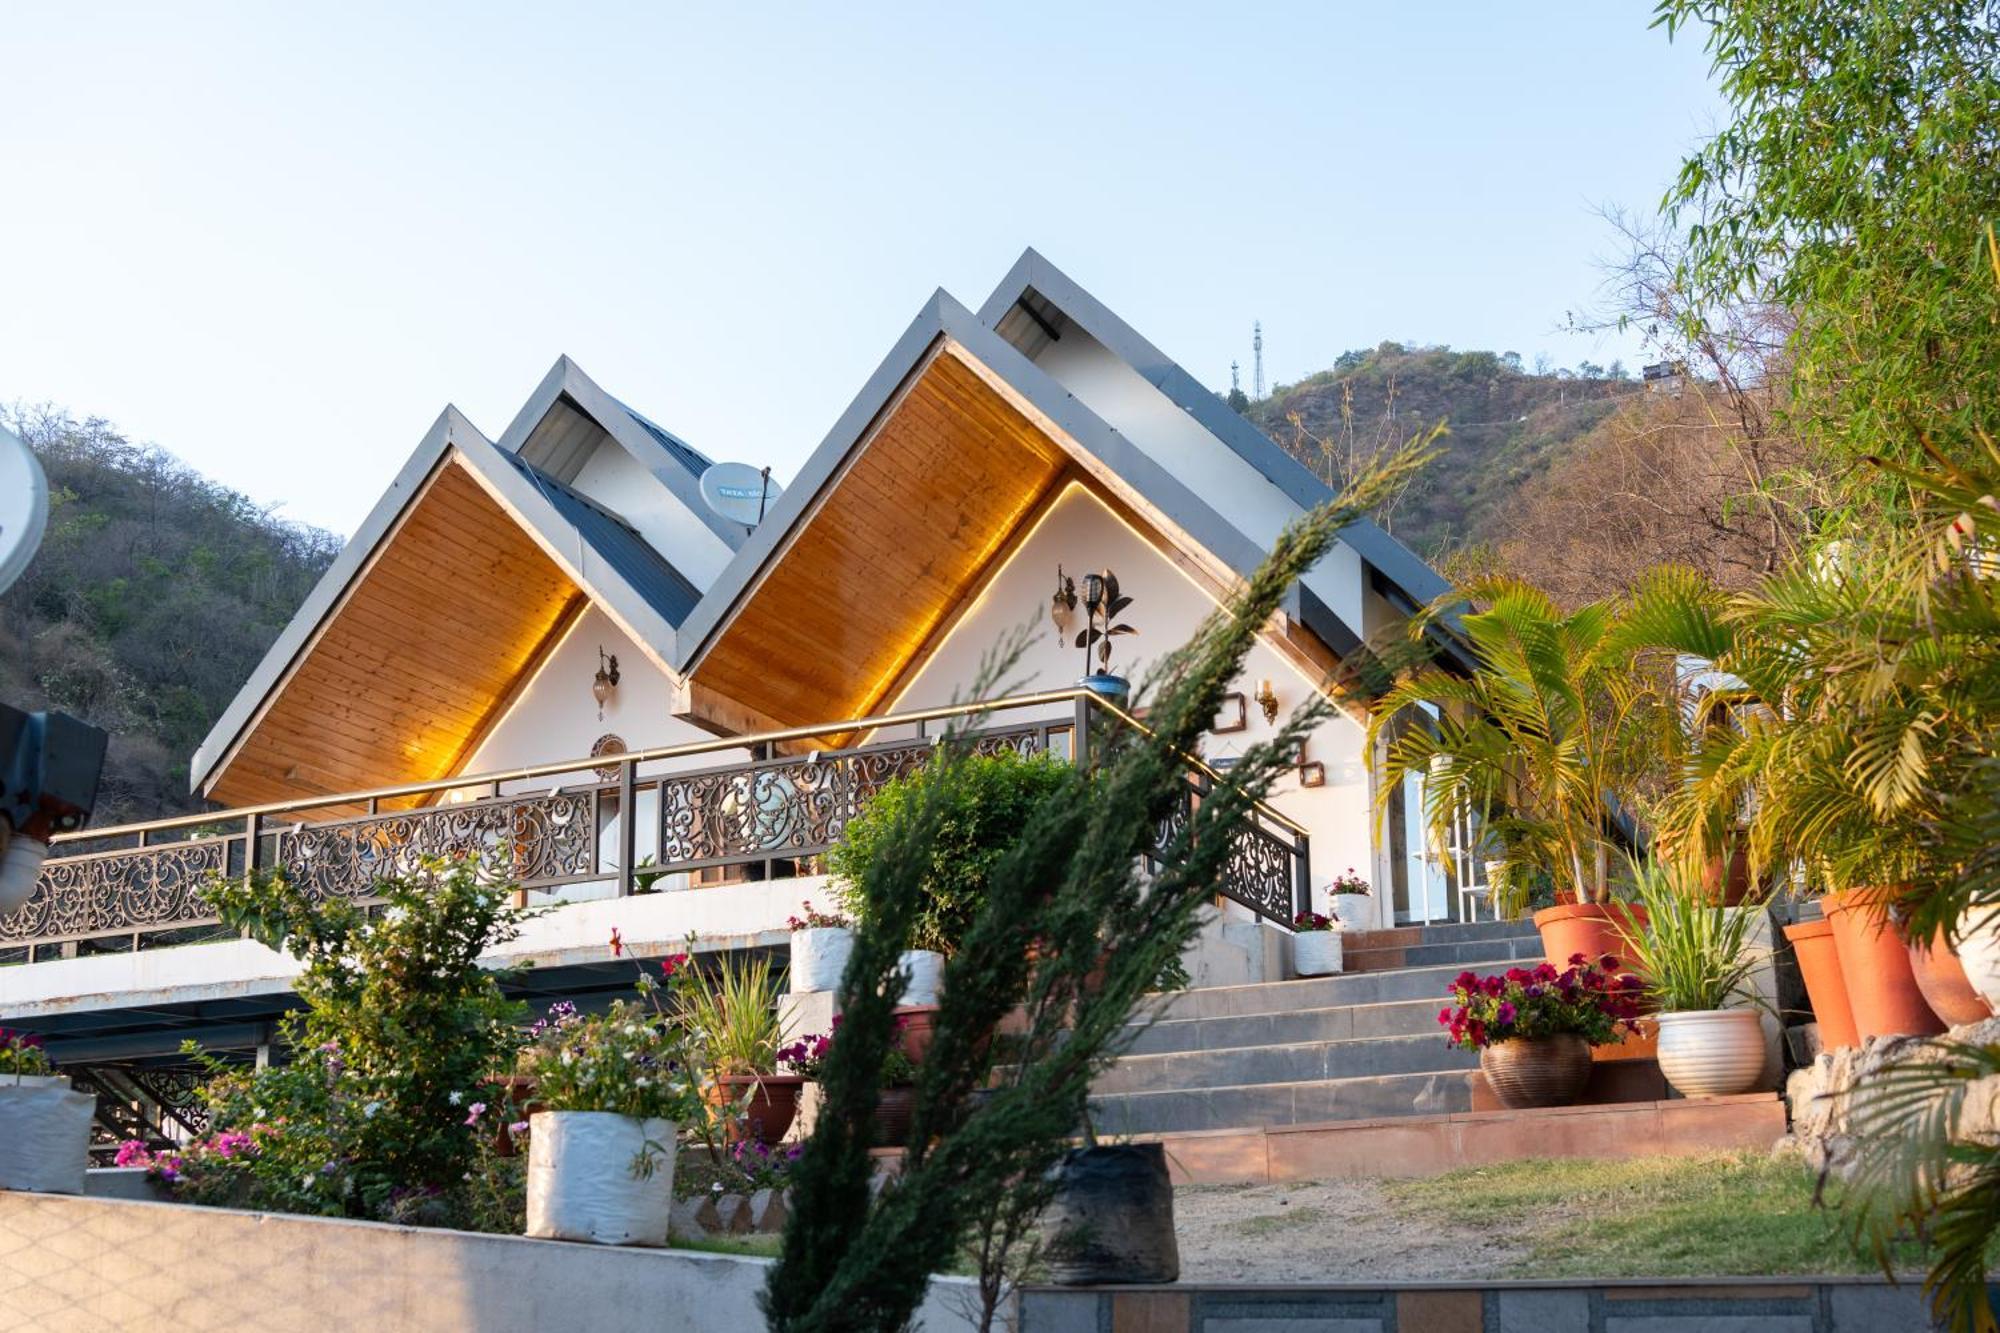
[(278, 239)]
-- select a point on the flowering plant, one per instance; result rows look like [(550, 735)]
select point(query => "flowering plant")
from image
[(808, 1055), (217, 1169), (633, 1059), (21, 1054), (814, 919), (1350, 882), (1310, 920), (1594, 1001), (764, 1167)]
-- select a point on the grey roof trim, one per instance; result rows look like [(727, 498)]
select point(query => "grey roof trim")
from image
[(1031, 271), (943, 316), (659, 451), (600, 564)]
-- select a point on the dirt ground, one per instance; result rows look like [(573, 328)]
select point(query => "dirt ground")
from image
[(1341, 1231)]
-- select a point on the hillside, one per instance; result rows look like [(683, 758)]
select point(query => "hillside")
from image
[(1508, 425), (155, 593)]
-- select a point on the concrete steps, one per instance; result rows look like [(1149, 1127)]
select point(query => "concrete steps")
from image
[(1362, 1045)]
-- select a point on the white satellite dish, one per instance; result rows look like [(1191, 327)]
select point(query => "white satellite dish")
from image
[(24, 507), (739, 492)]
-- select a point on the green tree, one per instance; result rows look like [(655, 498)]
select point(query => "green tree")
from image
[(1854, 185)]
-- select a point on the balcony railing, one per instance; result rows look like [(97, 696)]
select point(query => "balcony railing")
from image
[(768, 816)]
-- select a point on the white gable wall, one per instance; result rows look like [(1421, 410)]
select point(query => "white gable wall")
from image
[(1082, 534), (619, 482), (1241, 494)]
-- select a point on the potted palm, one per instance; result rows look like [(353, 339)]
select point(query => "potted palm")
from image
[(46, 1146), (1548, 725), (1534, 1027), (614, 1089), (733, 1014), (1697, 961)]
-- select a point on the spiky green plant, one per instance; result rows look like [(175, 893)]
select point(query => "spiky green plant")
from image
[(1071, 885), (733, 1010), (1694, 955)]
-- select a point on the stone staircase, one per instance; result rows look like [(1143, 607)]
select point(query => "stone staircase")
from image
[(1359, 1046)]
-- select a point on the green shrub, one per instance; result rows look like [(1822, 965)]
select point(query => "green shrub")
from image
[(987, 803), (380, 1108)]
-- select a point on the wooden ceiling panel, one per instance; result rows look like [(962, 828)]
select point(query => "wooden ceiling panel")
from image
[(899, 539), (404, 675)]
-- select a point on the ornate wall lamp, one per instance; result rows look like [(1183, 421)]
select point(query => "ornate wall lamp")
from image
[(605, 681), (1267, 699)]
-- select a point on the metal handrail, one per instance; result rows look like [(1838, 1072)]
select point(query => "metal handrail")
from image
[(872, 722)]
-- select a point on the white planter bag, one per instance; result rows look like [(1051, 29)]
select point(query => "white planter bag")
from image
[(819, 956), (1316, 953), (926, 971), (1355, 910), (44, 1134), (1712, 1052), (1979, 953), (581, 1185)]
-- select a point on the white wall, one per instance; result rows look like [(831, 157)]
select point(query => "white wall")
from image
[(1126, 400), (616, 480), (1082, 534), (83, 1263)]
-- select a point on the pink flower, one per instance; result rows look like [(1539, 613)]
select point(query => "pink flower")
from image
[(518, 1127), (131, 1153), (472, 1115)]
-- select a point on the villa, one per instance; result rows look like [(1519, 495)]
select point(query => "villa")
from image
[(665, 709)]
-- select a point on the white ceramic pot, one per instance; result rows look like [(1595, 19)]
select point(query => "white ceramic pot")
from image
[(926, 971), (1316, 953), (819, 956), (1979, 952), (1712, 1052), (581, 1181), (44, 1134), (1355, 910)]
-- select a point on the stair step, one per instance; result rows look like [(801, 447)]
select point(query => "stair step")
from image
[(1282, 997), (1509, 950), (1298, 1103), (1392, 1018), (1297, 1062)]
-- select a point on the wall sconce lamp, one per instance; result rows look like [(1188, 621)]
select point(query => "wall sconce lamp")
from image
[(1267, 699), (605, 681)]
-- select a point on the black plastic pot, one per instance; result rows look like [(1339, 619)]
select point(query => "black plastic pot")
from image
[(1112, 1219)]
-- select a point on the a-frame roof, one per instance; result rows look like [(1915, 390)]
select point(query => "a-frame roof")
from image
[(506, 517)]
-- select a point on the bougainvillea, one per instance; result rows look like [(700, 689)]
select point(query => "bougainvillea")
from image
[(1595, 1001)]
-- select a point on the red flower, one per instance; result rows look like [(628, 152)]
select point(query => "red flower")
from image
[(617, 943), (1609, 962), (672, 963)]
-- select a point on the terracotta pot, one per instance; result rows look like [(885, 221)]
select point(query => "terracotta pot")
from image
[(1819, 964), (1536, 1071), (1727, 885), (1590, 929), (1881, 987), (756, 1106), (1944, 985), (892, 1117), (919, 1022)]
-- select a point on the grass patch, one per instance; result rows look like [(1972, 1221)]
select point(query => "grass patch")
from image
[(1274, 1223), (1721, 1215), (762, 1247)]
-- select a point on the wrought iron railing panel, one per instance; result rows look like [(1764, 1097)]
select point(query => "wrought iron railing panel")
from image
[(541, 839), (784, 808), (111, 892)]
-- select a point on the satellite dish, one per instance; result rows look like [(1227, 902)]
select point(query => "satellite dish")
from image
[(739, 492), (24, 507)]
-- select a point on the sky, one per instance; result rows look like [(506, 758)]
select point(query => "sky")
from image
[(277, 240)]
